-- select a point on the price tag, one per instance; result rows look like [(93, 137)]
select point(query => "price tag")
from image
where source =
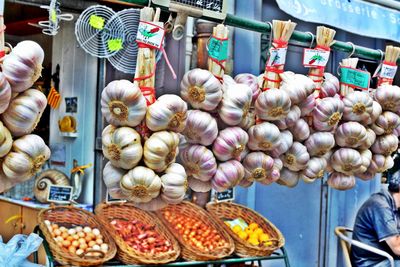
[(96, 22), (355, 78), (150, 34), (60, 194), (315, 58), (227, 195), (111, 199), (218, 49), (388, 71), (277, 56)]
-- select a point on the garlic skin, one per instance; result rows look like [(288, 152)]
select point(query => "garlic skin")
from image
[(330, 87), (256, 166), (199, 162), (386, 123), (198, 185), (297, 86), (296, 158), (327, 114), (26, 158), (300, 130), (235, 104), (201, 89), (315, 170), (288, 178), (24, 112), (112, 177), (350, 134), (251, 81), (23, 66), (376, 112), (174, 184), (122, 146), (264, 136), (307, 106), (5, 93), (319, 143), (389, 97), (346, 160), (201, 128), (272, 105), (123, 104), (6, 140), (228, 175), (248, 121), (385, 144), (141, 184), (160, 150), (357, 106), (285, 144), (371, 137), (167, 113), (291, 119), (341, 181), (230, 144)]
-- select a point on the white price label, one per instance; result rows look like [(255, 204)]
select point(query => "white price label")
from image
[(150, 34), (315, 57), (388, 71), (277, 56)]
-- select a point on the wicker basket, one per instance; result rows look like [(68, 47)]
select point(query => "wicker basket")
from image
[(189, 252), (126, 254), (230, 211), (71, 216)]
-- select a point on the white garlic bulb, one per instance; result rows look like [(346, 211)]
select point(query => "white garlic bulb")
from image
[(315, 170), (174, 184), (201, 128), (5, 93), (296, 158), (199, 162), (112, 177), (230, 144), (5, 140), (357, 106), (198, 185), (385, 144), (256, 166), (341, 181), (350, 134), (346, 160), (285, 144), (273, 104), (297, 86), (319, 143), (288, 178), (264, 136), (300, 130), (235, 104)]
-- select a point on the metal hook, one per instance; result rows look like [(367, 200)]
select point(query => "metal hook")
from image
[(312, 38), (272, 31), (353, 47), (382, 54)]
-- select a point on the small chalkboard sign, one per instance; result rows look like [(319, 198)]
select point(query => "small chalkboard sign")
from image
[(109, 198), (227, 195), (60, 194), (212, 5)]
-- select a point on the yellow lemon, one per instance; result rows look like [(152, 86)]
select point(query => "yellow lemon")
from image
[(268, 243), (254, 236), (236, 229), (253, 226), (254, 242), (248, 231), (243, 235), (259, 231), (263, 237)]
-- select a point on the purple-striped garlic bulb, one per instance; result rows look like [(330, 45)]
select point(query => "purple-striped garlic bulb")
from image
[(245, 183), (389, 97), (297, 86), (300, 130), (319, 143), (199, 186), (272, 105), (330, 87), (376, 112), (248, 121), (341, 181), (307, 106), (201, 128), (228, 175), (380, 163), (256, 165), (371, 137), (350, 134), (264, 136), (386, 123), (201, 89), (385, 144), (199, 162), (346, 160), (230, 144), (315, 170), (251, 81), (296, 158), (292, 117), (285, 144), (357, 106), (366, 157), (327, 114), (288, 178)]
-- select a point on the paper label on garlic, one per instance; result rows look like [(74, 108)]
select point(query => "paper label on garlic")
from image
[(355, 78), (150, 34), (315, 57), (388, 71), (277, 56), (218, 49)]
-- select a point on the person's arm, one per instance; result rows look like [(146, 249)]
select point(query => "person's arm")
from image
[(394, 244)]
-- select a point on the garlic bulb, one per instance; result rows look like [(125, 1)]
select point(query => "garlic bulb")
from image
[(199, 162), (327, 156), (300, 130), (201, 128), (160, 150), (5, 183), (350, 134), (386, 123), (122, 146), (228, 175), (371, 137), (27, 156), (5, 93), (330, 86), (285, 143), (307, 106), (230, 144), (174, 184), (380, 163), (264, 136), (273, 104), (357, 106), (245, 183), (297, 86), (376, 112), (112, 177), (296, 158), (123, 104), (167, 113), (141, 184), (341, 181), (235, 104), (389, 97), (291, 119), (198, 185), (6, 140), (327, 114), (201, 89), (385, 144), (23, 66), (251, 81), (366, 157), (248, 121), (319, 143), (315, 170), (346, 160), (256, 165), (288, 178), (24, 112)]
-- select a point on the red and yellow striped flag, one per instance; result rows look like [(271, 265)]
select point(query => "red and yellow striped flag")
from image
[(53, 98)]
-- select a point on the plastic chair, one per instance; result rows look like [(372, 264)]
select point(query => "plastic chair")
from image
[(346, 241)]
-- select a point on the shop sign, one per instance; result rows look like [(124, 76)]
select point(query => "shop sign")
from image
[(355, 16), (60, 194)]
